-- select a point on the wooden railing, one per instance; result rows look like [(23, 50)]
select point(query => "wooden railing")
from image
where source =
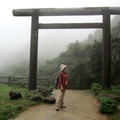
[(8, 79)]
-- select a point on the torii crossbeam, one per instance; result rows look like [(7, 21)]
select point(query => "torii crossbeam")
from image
[(105, 12)]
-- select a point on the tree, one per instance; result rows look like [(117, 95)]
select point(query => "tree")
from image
[(96, 61), (115, 55)]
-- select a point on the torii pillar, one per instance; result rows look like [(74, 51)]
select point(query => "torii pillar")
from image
[(33, 52)]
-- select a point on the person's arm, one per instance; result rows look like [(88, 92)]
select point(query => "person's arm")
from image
[(66, 82), (60, 82)]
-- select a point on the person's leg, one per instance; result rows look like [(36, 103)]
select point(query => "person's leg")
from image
[(63, 96), (59, 100)]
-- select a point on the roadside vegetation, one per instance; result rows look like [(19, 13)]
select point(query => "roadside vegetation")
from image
[(109, 106), (11, 108)]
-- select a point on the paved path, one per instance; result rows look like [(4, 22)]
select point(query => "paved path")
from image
[(80, 106)]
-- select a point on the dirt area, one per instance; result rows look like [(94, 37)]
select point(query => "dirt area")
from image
[(79, 106)]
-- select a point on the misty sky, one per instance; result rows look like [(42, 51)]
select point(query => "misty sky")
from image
[(15, 31)]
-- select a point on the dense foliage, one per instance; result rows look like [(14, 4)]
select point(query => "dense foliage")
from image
[(83, 61), (115, 57)]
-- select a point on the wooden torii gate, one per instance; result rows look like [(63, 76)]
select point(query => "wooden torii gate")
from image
[(105, 25)]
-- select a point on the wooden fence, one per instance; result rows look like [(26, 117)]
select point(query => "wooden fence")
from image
[(8, 79)]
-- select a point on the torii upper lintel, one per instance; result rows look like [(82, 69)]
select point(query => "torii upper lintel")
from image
[(66, 11)]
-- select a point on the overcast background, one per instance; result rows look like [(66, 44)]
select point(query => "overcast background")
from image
[(15, 31)]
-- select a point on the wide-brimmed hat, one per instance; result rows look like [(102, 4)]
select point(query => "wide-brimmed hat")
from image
[(62, 67)]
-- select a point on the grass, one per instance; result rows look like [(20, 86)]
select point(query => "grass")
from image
[(11, 108), (115, 90)]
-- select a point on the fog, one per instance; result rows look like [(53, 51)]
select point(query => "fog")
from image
[(15, 32)]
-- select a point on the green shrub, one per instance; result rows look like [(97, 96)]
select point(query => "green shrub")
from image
[(107, 106), (96, 88)]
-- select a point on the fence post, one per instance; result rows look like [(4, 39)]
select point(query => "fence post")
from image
[(9, 79), (48, 81)]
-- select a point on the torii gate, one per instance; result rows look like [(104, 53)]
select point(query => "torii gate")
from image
[(105, 25)]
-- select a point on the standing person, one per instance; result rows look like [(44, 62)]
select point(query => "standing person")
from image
[(62, 83)]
